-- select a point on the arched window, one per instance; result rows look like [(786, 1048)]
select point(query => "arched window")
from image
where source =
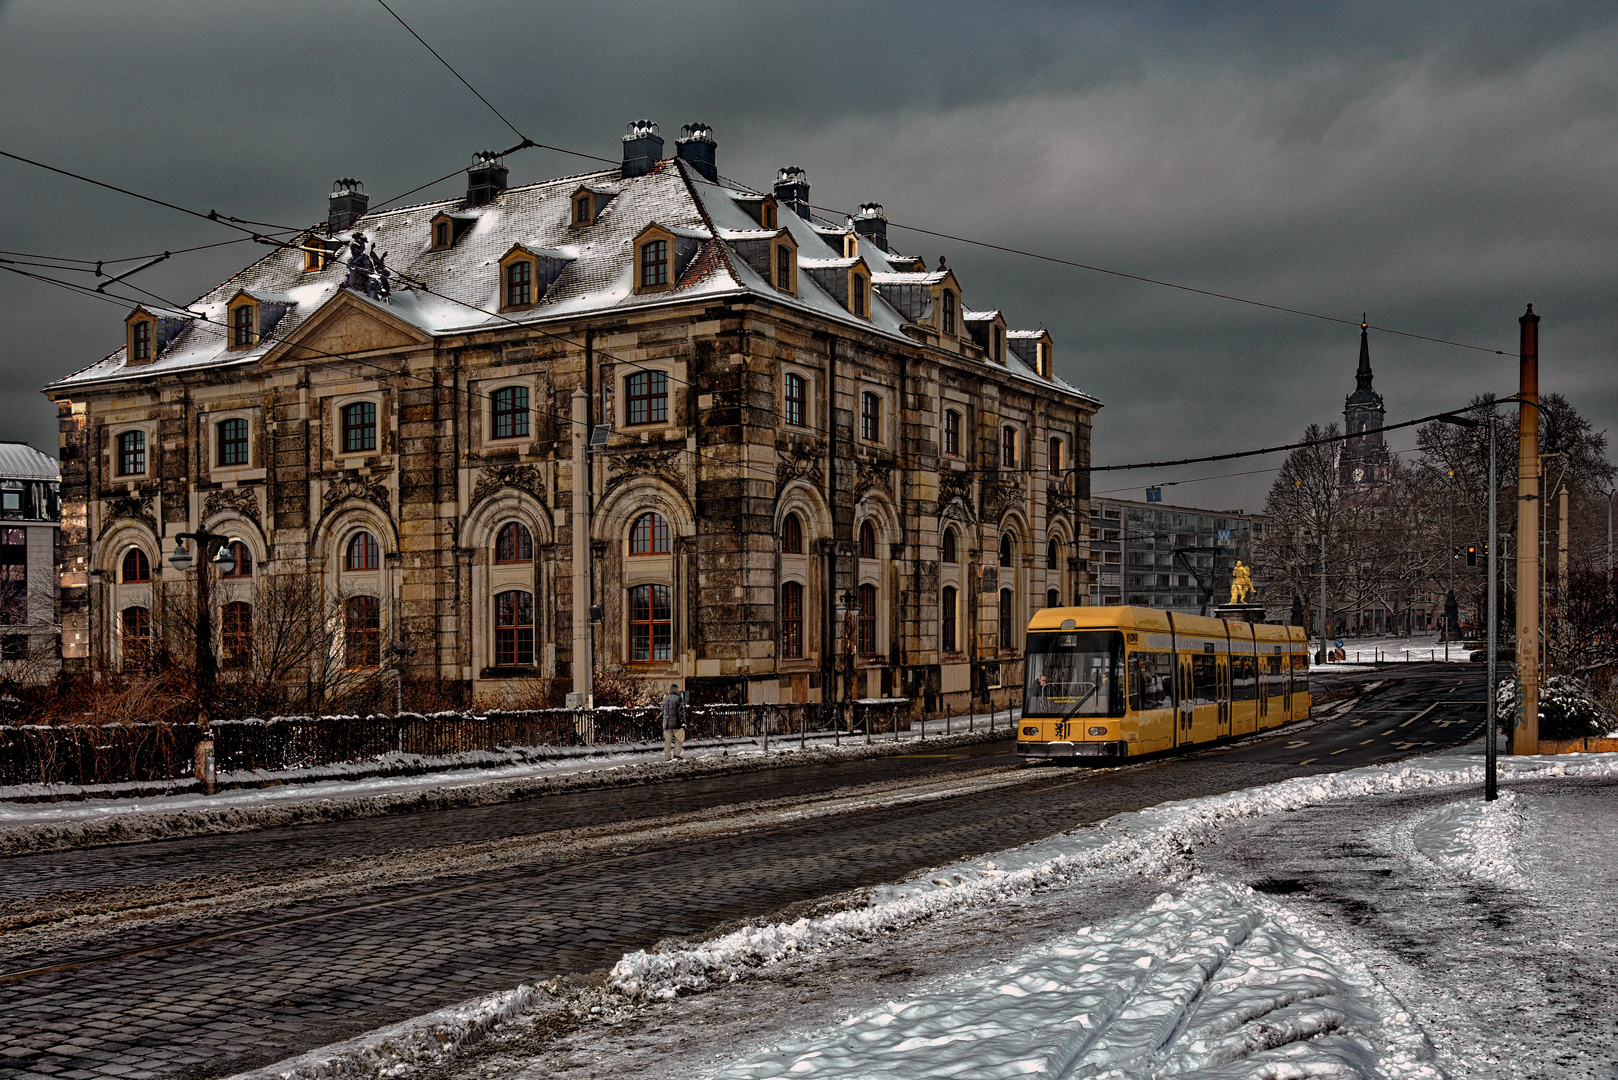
[(867, 634), (1007, 619), (511, 412), (792, 621), (131, 453), (1053, 598), (362, 631), (135, 637), (236, 634), (948, 552), (137, 568), (651, 623), (359, 427), (952, 433), (792, 535), (871, 417), (514, 629), (1008, 447), (654, 264), (948, 603), (1053, 555), (867, 541), (648, 394), (514, 544), (1005, 549), (796, 398), (232, 441), (363, 553), (650, 535), (949, 312), (242, 557)]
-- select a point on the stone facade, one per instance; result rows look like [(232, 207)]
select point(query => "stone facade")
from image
[(721, 405)]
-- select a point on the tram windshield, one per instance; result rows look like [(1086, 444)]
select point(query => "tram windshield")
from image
[(1075, 673)]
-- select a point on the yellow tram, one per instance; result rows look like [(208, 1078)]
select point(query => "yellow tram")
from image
[(1126, 681)]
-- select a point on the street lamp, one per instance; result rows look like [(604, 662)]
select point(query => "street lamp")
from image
[(222, 561)]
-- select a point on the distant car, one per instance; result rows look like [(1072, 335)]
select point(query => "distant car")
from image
[(1508, 656)]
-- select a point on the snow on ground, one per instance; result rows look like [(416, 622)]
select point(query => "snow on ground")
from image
[(1054, 959), (1369, 650)]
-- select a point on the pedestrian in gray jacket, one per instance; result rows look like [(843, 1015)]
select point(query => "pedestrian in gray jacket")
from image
[(673, 723)]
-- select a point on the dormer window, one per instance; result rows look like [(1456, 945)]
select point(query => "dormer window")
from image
[(785, 278), (445, 229), (519, 283), (242, 331), (140, 341), (949, 312), (583, 209), (997, 344), (441, 234), (768, 213), (315, 256), (851, 246), (858, 301), (654, 264)]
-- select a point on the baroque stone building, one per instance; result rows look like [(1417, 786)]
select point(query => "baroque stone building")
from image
[(784, 414)]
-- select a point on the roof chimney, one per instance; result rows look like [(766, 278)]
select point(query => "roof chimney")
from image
[(486, 178), (643, 148), (872, 224), (696, 146), (792, 190), (348, 204)]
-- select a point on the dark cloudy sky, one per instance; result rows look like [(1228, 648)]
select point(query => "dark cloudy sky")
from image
[(1436, 165)]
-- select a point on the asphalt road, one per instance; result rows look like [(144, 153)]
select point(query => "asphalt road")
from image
[(438, 907)]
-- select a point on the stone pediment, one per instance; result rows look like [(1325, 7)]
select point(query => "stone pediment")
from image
[(347, 325)]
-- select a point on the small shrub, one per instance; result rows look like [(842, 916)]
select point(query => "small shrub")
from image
[(1567, 709)]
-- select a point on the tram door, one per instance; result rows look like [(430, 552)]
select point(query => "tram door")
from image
[(1188, 698), (1286, 688), (1263, 689), (1223, 693)]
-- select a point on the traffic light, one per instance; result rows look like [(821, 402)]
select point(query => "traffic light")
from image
[(1471, 554), (1454, 553)]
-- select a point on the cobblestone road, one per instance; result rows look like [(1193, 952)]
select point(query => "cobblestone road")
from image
[(227, 994)]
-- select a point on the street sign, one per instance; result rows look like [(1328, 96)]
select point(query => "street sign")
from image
[(1154, 494), (1224, 536)]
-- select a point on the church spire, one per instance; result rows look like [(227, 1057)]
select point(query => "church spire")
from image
[(1362, 378)]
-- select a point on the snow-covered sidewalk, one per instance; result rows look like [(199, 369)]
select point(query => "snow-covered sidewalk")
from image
[(1114, 951)]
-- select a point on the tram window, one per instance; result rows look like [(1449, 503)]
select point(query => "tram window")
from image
[(1243, 678), (1204, 676), (1300, 674), (1151, 681), (1274, 685), (1075, 674)]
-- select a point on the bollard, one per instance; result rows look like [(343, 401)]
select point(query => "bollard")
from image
[(949, 715), (765, 724), (837, 725), (802, 709), (893, 718), (867, 726)]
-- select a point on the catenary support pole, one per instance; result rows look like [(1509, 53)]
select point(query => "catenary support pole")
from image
[(1525, 727), (581, 553), (1491, 738)]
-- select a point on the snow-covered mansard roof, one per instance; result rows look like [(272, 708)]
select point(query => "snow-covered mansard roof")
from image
[(587, 268)]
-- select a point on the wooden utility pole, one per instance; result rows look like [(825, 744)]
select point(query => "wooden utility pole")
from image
[(1525, 729)]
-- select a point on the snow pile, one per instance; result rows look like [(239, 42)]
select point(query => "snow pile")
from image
[(1207, 979), (1151, 841), (1474, 839)]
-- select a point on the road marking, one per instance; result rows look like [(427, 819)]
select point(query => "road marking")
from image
[(1306, 761), (1419, 715), (1295, 743), (1344, 750), (1368, 741)]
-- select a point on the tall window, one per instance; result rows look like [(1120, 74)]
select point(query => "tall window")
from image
[(519, 283), (648, 393), (242, 564), (947, 616), (783, 268), (232, 441), (363, 553), (359, 426), (1053, 598), (948, 552), (871, 417), (131, 453), (997, 346), (651, 623), (1008, 447), (137, 568), (241, 326), (1007, 615), (1055, 455), (581, 210), (140, 341), (514, 544), (856, 293), (952, 433), (13, 576), (792, 535), (650, 535), (135, 637), (511, 412), (362, 631), (1053, 554), (654, 264), (797, 400), (514, 629), (441, 235), (236, 633), (867, 622), (949, 312), (1005, 549), (792, 621), (867, 541)]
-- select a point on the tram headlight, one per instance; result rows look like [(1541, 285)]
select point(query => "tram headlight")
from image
[(1098, 731), (1030, 730)]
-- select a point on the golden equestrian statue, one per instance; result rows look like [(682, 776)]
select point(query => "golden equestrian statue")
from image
[(1241, 584)]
